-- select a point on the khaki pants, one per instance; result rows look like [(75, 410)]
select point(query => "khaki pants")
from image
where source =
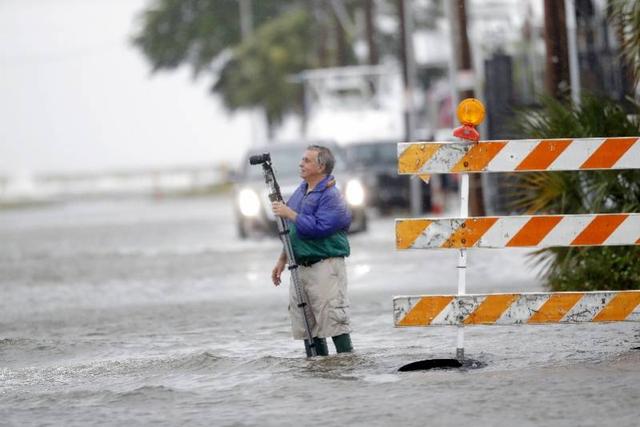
[(325, 286)]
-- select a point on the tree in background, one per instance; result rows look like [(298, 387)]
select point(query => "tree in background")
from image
[(583, 268), (196, 32), (256, 70), (587, 268), (259, 73)]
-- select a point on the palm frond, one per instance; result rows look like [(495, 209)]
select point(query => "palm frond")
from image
[(588, 268), (625, 16)]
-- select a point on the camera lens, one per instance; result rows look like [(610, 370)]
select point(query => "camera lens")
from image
[(259, 158)]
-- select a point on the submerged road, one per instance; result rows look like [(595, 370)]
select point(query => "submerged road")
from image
[(153, 312)]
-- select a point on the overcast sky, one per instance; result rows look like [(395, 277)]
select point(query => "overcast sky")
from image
[(75, 96)]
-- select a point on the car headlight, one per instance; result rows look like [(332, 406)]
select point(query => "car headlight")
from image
[(354, 193), (249, 202)]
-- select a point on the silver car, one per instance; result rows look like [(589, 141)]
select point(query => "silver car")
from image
[(252, 206)]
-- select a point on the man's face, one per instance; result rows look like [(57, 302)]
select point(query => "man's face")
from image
[(309, 167)]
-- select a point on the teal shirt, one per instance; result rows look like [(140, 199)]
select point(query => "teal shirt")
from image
[(309, 250)]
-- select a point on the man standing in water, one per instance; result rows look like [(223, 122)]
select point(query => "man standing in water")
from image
[(318, 221)]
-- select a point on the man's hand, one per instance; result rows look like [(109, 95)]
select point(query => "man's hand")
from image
[(282, 210), (277, 271)]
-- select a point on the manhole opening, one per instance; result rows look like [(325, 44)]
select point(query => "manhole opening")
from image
[(429, 364)]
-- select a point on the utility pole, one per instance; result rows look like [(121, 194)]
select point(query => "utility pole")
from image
[(572, 49), (555, 40), (322, 35), (462, 59), (370, 28), (409, 79), (463, 50), (341, 40), (246, 18)]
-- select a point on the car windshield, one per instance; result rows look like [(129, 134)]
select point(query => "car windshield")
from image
[(373, 154), (285, 161)]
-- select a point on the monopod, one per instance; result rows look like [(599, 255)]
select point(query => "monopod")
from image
[(283, 230)]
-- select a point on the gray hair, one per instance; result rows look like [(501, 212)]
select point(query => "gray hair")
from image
[(325, 157)]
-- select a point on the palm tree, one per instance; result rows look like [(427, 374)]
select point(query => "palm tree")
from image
[(582, 268), (625, 16), (590, 268)]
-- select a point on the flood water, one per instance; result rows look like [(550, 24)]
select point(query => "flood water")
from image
[(152, 312)]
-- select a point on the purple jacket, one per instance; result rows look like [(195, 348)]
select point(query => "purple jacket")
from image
[(322, 212)]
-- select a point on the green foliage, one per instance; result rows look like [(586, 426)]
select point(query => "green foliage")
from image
[(593, 268), (261, 68), (589, 268), (594, 117), (195, 32), (625, 14)]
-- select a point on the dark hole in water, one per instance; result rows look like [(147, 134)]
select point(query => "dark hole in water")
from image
[(635, 348), (425, 365)]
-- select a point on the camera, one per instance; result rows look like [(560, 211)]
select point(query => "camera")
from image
[(259, 159)]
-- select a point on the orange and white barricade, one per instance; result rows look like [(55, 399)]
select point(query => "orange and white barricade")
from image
[(470, 155), (519, 231), (517, 309), (524, 155)]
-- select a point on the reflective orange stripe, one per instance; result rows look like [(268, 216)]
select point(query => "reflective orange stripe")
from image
[(425, 310), (469, 232), (608, 153), (544, 154), (534, 231), (555, 308), (490, 309), (619, 307), (415, 156), (479, 156), (599, 229), (408, 231)]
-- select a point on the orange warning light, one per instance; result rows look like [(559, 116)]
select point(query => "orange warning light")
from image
[(470, 112)]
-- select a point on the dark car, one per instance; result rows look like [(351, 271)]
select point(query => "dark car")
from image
[(376, 162), (252, 206)]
